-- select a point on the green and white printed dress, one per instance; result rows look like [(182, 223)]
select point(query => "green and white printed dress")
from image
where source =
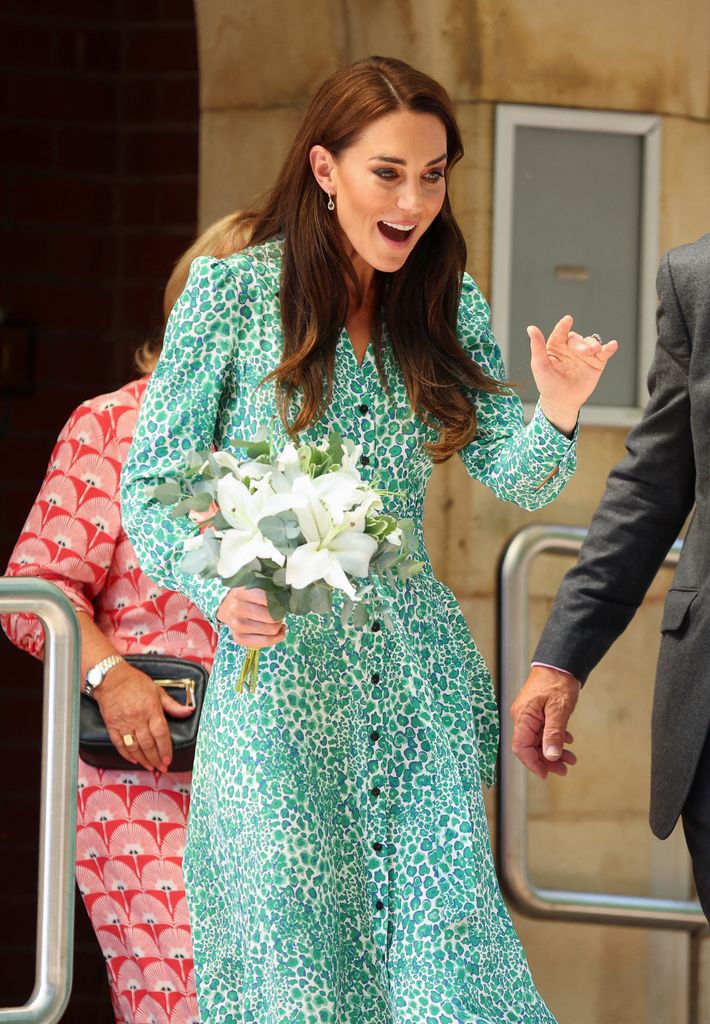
[(338, 864)]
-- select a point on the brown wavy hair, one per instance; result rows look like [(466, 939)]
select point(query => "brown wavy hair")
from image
[(418, 303)]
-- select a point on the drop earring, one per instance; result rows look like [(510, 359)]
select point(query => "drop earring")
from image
[(331, 204)]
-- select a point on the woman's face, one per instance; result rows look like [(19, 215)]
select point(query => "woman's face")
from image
[(388, 187)]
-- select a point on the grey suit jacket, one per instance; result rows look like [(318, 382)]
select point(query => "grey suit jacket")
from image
[(647, 500)]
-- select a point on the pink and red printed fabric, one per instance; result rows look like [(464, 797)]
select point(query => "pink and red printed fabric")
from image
[(131, 825)]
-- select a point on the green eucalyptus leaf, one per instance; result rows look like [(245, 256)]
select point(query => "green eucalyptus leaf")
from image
[(335, 448), (279, 530), (197, 561), (408, 568), (316, 597), (346, 611), (321, 598), (360, 617), (386, 558), (245, 576), (277, 602), (203, 498), (181, 509), (167, 493), (253, 448)]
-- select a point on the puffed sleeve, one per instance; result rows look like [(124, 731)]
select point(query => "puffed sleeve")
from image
[(527, 465), (72, 529), (181, 412)]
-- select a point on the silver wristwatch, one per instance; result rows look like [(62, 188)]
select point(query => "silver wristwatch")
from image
[(97, 672)]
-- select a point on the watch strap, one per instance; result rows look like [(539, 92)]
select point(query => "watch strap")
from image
[(101, 667)]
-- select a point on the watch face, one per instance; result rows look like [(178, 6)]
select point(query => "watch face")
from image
[(94, 676)]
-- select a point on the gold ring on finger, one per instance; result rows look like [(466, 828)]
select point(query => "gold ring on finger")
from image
[(128, 740)]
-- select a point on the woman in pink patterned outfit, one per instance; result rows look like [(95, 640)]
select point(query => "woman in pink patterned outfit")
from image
[(130, 824)]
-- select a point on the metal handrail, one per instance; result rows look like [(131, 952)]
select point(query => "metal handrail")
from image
[(533, 900), (60, 737)]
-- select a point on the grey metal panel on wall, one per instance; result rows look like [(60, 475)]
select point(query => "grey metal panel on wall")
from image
[(576, 246)]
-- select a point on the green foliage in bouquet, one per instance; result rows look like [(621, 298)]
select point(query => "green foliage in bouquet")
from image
[(300, 524)]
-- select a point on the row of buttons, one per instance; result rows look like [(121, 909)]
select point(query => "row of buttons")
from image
[(374, 736), (364, 459)]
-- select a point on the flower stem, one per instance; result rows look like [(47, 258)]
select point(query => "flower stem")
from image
[(250, 670)]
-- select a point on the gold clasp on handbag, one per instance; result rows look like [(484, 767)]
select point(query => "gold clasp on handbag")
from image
[(188, 685)]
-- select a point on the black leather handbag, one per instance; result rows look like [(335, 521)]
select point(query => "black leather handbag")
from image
[(184, 680)]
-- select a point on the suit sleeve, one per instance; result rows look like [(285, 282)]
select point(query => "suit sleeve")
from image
[(648, 498), (524, 464), (180, 413)]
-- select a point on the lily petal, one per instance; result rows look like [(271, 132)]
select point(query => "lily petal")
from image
[(306, 565), (353, 550)]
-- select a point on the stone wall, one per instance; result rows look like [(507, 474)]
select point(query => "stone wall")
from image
[(258, 64)]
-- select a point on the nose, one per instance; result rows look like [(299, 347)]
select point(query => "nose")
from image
[(410, 199)]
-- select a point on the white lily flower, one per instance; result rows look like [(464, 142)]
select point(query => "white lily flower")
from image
[(227, 461), (351, 457), (287, 457), (331, 549), (253, 470), (395, 537), (339, 492), (243, 510)]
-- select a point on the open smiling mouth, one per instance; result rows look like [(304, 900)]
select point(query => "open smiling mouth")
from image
[(396, 232)]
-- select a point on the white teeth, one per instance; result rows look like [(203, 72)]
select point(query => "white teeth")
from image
[(399, 227)]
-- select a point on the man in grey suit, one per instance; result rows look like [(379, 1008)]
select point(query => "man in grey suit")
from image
[(648, 498)]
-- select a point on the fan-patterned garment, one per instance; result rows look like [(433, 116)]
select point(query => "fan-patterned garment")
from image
[(338, 864), (130, 825)]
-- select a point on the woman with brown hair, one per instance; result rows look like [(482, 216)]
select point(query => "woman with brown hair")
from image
[(338, 862)]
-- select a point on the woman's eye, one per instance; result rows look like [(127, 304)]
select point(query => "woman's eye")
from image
[(434, 176), (386, 172)]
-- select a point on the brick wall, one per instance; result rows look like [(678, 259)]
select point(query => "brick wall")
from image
[(98, 197)]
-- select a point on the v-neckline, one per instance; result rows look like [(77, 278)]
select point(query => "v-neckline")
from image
[(367, 356)]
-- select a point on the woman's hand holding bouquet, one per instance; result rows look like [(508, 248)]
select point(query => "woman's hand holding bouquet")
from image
[(286, 532)]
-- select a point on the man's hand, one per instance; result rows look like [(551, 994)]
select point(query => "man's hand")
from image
[(541, 712)]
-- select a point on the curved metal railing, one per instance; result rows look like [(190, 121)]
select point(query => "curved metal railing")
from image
[(60, 731)]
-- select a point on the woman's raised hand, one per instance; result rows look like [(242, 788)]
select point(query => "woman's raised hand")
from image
[(566, 368), (247, 615)]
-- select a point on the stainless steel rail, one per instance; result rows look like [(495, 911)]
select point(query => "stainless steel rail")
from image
[(529, 898), (60, 731)]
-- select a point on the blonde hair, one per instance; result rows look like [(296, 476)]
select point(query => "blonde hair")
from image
[(225, 236)]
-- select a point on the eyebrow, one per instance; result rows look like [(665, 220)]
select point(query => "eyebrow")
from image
[(402, 163)]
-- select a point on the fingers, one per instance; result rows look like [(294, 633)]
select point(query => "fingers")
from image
[(173, 707), (553, 736), (258, 639), (127, 753), (247, 615), (592, 349), (560, 332), (530, 757), (142, 720), (153, 747), (540, 714), (538, 349)]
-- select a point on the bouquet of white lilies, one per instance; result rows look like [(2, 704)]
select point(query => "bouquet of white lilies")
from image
[(299, 525)]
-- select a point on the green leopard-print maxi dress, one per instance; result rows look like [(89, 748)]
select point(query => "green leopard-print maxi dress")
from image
[(338, 864)]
